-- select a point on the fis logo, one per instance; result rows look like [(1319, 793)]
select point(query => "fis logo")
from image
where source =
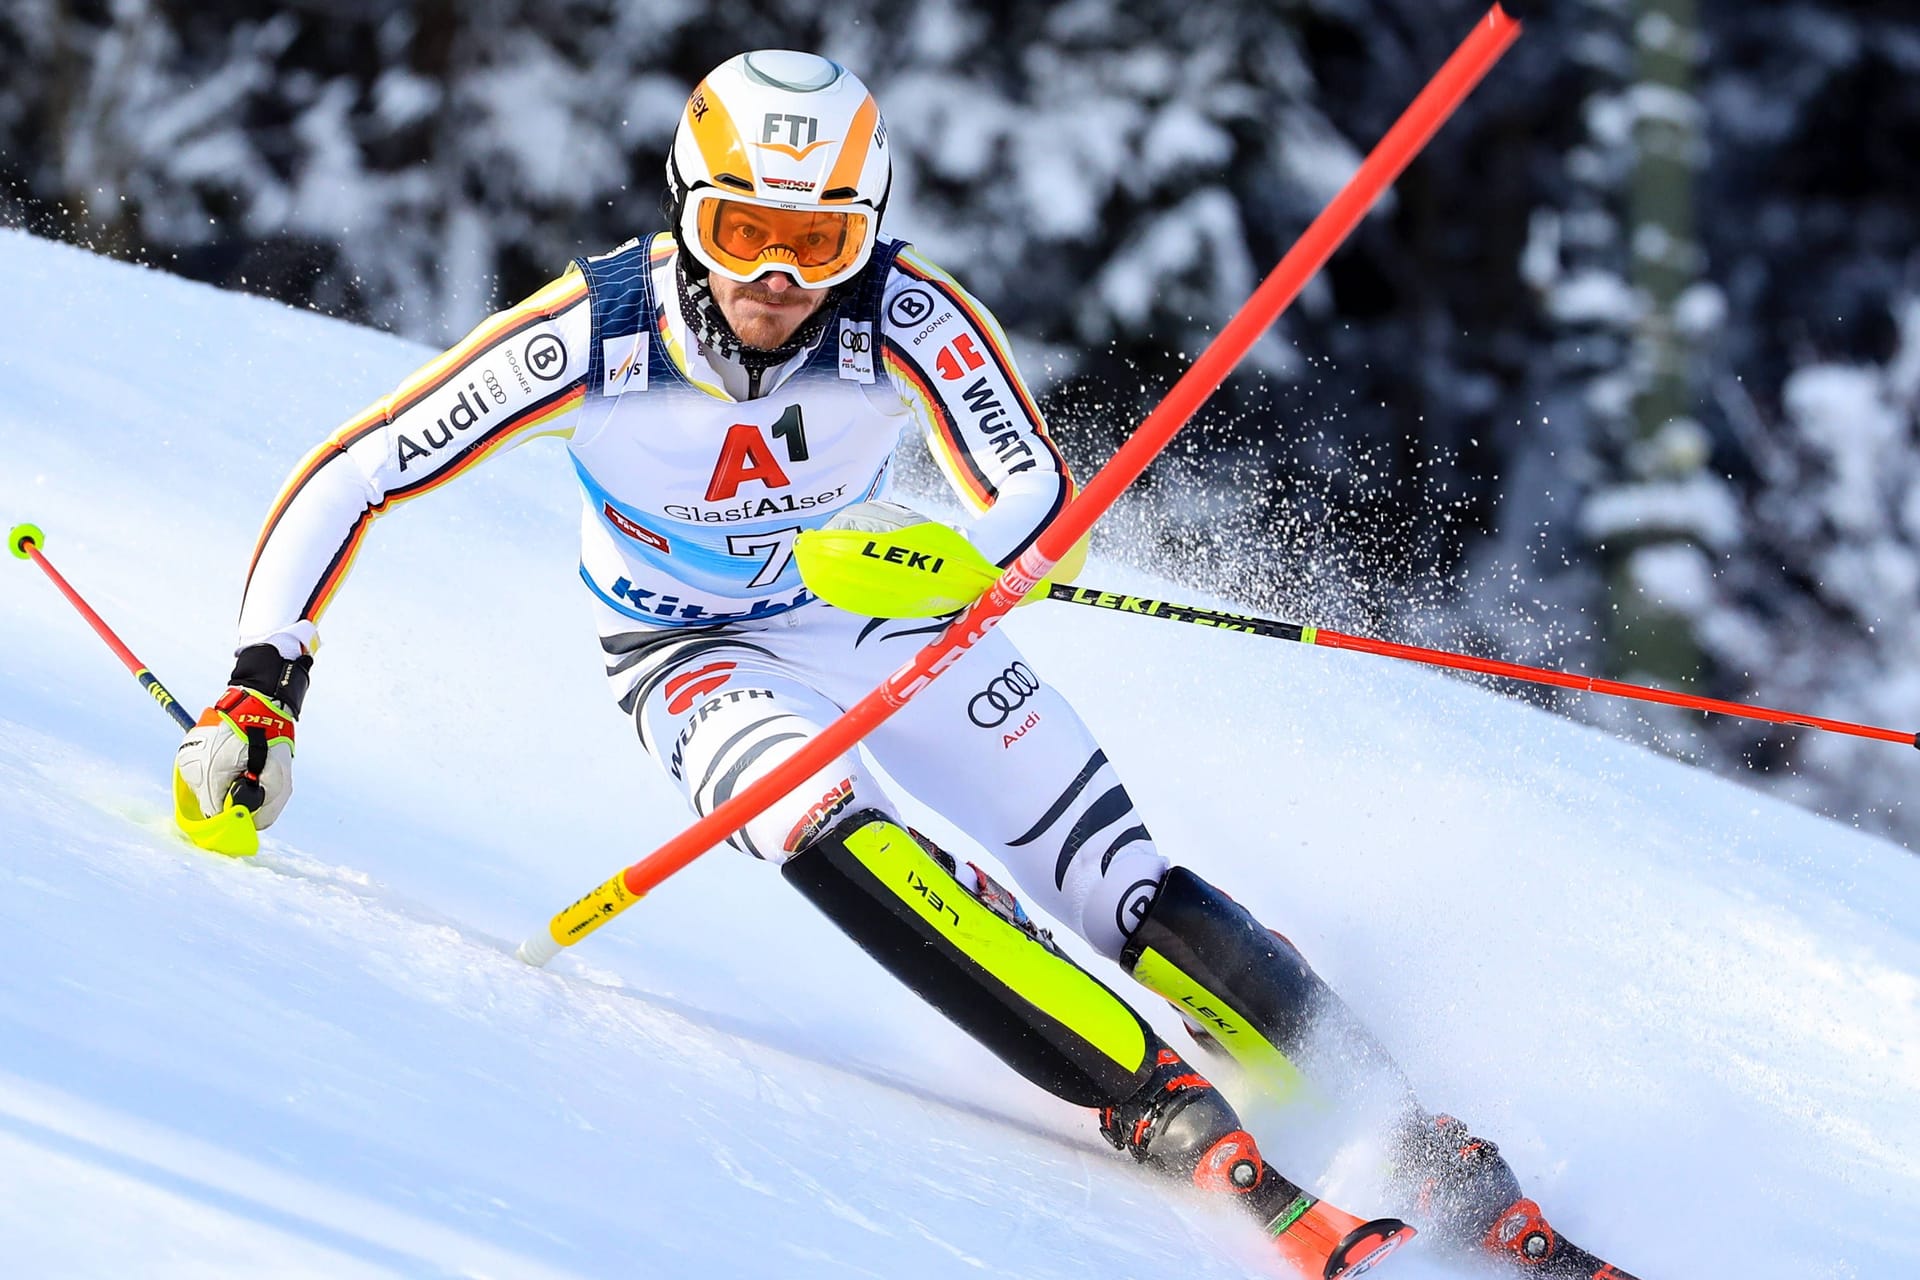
[(625, 361)]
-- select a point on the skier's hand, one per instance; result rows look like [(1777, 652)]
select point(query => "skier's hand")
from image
[(241, 750)]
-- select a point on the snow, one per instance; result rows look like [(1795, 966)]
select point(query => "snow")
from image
[(1689, 1013), (1842, 414), (1699, 506), (1593, 296)]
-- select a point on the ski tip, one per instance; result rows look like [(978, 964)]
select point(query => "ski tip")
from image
[(20, 535), (1366, 1246)]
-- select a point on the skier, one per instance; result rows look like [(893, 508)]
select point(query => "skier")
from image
[(723, 385)]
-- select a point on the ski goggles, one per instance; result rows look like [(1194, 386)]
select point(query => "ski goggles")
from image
[(743, 238)]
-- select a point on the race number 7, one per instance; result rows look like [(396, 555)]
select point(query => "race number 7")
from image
[(774, 546)]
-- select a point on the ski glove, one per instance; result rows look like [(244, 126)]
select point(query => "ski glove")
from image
[(876, 515), (242, 747)]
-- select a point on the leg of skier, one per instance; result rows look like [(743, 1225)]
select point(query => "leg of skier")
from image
[(1005, 757), (719, 708)]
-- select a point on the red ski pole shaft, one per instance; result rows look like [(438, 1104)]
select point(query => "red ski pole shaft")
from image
[(24, 541), (1326, 639), (1598, 684), (1491, 38)]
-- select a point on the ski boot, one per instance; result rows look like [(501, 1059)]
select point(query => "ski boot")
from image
[(1466, 1193), (1246, 991), (1178, 1125)]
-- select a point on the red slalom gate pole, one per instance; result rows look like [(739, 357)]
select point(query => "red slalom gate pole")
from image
[(1598, 684), (1492, 36), (1325, 639)]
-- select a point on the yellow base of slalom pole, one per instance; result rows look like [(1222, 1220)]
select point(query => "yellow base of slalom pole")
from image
[(579, 920)]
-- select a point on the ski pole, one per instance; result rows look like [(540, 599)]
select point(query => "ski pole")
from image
[(1327, 639), (1476, 55), (25, 542)]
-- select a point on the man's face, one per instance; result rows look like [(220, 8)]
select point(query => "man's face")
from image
[(767, 312)]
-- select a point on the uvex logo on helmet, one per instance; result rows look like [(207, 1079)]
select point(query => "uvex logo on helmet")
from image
[(779, 164)]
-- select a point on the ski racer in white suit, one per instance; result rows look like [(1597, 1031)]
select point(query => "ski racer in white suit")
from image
[(722, 386)]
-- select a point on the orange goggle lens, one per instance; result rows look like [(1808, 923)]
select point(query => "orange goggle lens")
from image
[(745, 239)]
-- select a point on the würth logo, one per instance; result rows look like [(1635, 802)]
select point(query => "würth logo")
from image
[(684, 690)]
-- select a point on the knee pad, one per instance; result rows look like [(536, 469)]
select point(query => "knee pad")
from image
[(977, 961)]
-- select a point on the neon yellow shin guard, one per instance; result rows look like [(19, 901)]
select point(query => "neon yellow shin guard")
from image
[(1038, 1011), (1244, 987)]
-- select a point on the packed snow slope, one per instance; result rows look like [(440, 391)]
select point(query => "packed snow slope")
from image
[(1689, 1014)]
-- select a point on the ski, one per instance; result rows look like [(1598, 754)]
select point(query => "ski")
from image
[(1317, 1239), (1328, 1243)]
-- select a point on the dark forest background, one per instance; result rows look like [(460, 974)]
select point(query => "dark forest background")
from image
[(1623, 378)]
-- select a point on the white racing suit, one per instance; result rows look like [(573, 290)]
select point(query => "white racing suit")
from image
[(728, 665), (692, 501)]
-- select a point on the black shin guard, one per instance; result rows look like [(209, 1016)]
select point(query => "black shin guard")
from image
[(1250, 990), (1000, 982)]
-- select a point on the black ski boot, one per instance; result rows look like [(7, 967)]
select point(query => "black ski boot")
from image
[(1178, 1125), (1454, 1184), (1466, 1198)]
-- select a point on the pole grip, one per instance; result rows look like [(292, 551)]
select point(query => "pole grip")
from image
[(168, 703)]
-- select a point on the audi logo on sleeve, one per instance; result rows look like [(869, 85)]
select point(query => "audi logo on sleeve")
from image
[(1004, 694)]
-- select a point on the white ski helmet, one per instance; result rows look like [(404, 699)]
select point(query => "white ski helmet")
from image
[(779, 164)]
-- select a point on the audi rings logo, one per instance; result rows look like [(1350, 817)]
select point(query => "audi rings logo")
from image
[(1004, 694), (855, 340)]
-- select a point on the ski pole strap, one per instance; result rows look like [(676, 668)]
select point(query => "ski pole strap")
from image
[(1325, 639)]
